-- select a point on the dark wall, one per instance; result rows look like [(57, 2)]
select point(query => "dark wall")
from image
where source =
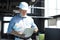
[(40, 3), (40, 24), (52, 34)]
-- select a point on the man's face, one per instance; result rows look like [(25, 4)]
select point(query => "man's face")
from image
[(23, 12)]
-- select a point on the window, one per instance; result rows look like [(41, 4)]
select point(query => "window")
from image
[(6, 21), (58, 22), (7, 18), (52, 22), (5, 27)]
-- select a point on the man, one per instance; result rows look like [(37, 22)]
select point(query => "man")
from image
[(21, 21)]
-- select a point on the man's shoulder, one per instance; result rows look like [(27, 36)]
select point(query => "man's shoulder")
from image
[(30, 17), (14, 17)]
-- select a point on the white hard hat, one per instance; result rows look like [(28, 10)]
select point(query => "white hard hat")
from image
[(23, 6)]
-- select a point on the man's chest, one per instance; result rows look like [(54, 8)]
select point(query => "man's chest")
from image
[(26, 23)]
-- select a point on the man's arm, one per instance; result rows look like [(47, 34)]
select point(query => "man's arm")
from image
[(34, 26), (15, 33), (10, 28)]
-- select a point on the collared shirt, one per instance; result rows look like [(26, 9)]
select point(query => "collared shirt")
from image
[(19, 23)]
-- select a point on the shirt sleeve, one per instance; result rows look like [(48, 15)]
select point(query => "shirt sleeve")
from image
[(10, 27), (33, 24)]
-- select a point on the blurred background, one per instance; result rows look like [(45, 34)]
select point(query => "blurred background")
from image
[(46, 15)]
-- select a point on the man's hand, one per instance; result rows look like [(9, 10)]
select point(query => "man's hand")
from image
[(22, 34), (19, 34), (35, 30)]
